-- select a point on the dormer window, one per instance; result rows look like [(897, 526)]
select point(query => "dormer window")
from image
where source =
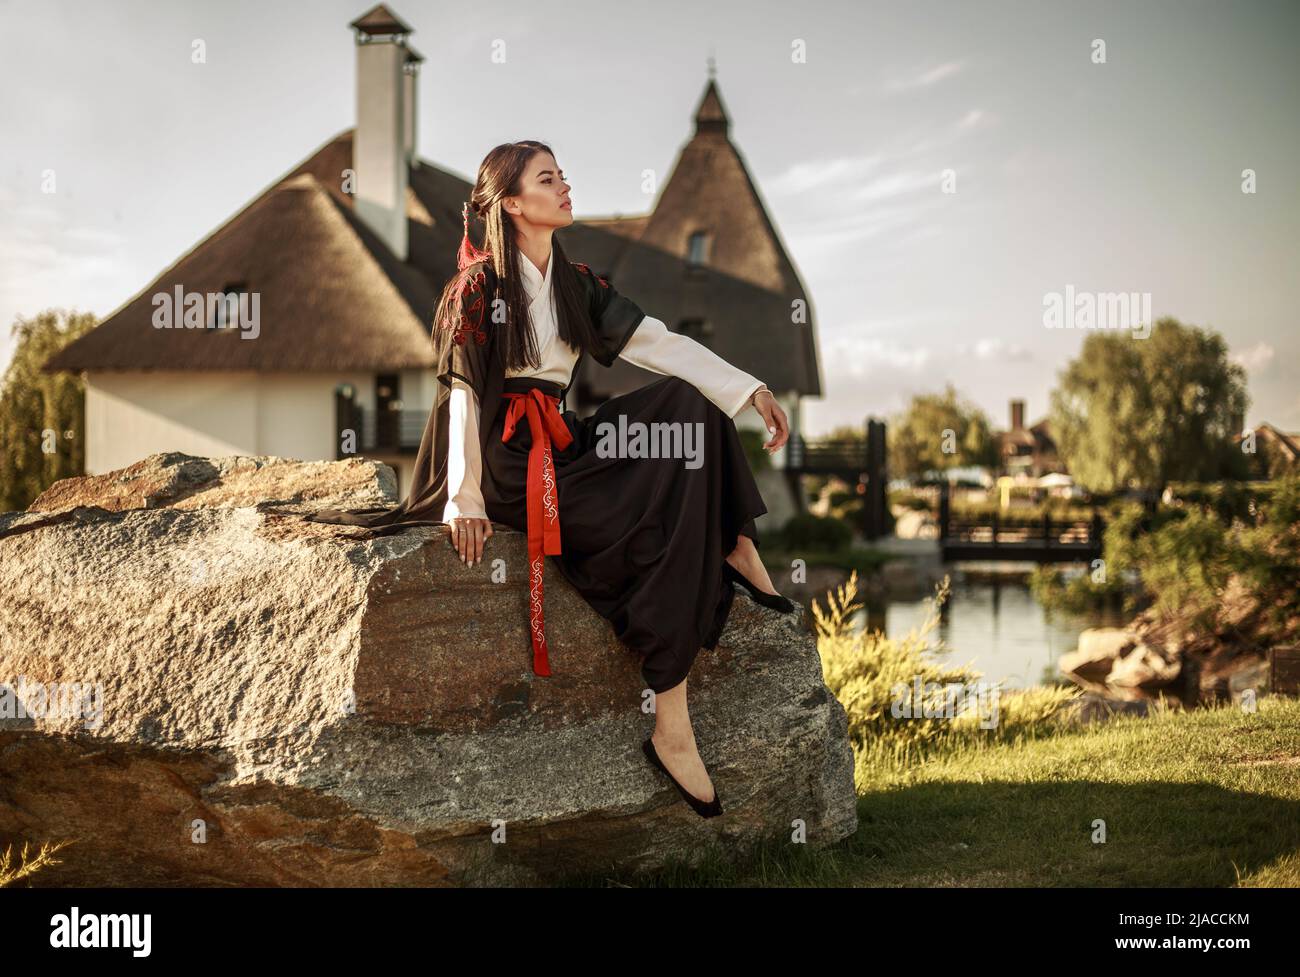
[(697, 248), (225, 313)]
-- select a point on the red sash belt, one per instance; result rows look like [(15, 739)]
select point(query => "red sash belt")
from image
[(547, 427)]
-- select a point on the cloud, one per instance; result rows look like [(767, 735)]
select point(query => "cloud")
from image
[(898, 184), (47, 261), (925, 77), (1255, 358), (994, 348), (822, 173), (830, 236), (860, 356)]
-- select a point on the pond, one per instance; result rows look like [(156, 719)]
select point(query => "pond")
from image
[(992, 621)]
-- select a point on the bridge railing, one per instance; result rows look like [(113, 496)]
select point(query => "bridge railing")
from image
[(996, 533), (825, 455), (1043, 530)]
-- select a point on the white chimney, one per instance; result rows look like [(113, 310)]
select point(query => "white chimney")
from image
[(410, 92), (379, 154)]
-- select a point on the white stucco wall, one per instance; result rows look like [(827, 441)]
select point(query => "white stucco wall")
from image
[(130, 415)]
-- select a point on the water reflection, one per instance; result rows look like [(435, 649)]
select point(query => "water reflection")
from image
[(992, 622)]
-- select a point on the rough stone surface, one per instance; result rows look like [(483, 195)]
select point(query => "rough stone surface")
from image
[(283, 703), (1144, 667), (1097, 652)]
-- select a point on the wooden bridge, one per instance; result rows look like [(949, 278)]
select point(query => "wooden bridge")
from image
[(1001, 537), (858, 461)]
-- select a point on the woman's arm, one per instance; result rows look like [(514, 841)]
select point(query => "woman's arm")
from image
[(653, 347), (464, 465)]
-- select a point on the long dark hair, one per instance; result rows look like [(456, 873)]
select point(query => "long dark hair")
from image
[(500, 175)]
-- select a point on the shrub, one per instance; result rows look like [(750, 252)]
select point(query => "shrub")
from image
[(808, 532), (752, 441), (1185, 554), (1080, 593), (863, 670)]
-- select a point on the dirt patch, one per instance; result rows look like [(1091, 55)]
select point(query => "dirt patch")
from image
[(1277, 758)]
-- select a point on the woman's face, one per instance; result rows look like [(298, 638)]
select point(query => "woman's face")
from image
[(543, 199)]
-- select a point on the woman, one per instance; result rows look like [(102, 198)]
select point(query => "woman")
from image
[(652, 543)]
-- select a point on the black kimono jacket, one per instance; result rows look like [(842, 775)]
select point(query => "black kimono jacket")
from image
[(473, 355)]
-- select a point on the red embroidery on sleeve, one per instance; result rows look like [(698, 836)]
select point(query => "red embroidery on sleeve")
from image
[(587, 271), (468, 314)]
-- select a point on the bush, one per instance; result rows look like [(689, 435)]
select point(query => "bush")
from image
[(752, 441), (1186, 553), (1080, 593), (865, 669), (1228, 500), (808, 532)]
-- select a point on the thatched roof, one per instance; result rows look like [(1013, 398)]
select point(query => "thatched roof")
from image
[(746, 289), (334, 297)]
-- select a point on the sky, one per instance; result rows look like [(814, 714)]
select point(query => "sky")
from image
[(934, 169)]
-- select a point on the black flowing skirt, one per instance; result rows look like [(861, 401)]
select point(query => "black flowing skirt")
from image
[(643, 538)]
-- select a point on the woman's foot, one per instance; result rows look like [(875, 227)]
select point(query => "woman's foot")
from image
[(679, 755), (745, 559)]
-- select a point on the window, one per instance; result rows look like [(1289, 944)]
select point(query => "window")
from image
[(388, 411), (225, 313), (697, 248)]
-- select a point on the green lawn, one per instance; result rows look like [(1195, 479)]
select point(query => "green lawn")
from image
[(1203, 798)]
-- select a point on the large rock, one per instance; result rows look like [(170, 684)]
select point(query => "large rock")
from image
[(1144, 667), (1097, 652), (278, 702)]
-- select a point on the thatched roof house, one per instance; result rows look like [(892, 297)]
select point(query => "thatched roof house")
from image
[(343, 258)]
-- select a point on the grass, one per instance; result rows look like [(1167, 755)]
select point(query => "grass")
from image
[(1207, 797), (12, 871), (1204, 798)]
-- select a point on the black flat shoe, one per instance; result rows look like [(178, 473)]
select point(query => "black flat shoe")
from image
[(709, 810), (774, 601)]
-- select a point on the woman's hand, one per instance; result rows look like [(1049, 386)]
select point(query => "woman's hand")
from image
[(773, 417), (468, 536)]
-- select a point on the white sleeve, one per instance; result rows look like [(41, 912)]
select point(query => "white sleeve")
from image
[(655, 348), (464, 466)]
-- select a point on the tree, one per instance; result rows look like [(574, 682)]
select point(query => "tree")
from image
[(42, 415), (1140, 413), (936, 433)]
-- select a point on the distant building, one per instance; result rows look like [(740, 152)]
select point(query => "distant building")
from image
[(1028, 452), (1276, 452)]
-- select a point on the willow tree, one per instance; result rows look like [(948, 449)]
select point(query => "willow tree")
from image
[(938, 432), (1138, 413), (42, 415)]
